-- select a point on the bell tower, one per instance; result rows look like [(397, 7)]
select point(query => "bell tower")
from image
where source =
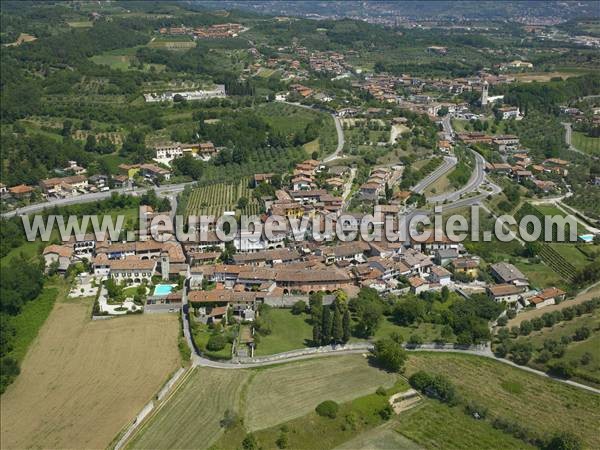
[(484, 94)]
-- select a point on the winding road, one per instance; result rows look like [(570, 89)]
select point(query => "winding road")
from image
[(447, 165)]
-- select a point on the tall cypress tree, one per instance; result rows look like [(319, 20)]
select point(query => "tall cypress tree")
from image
[(317, 333), (338, 331), (326, 324), (346, 327)]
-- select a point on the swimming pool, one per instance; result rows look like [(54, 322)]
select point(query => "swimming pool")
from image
[(163, 289)]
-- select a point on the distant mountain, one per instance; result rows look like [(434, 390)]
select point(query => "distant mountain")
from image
[(435, 10)]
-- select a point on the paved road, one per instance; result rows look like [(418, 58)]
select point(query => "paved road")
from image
[(93, 197), (477, 178), (338, 129), (482, 351), (340, 144), (448, 131), (447, 165)]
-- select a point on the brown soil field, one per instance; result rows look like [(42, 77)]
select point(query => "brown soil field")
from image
[(82, 381)]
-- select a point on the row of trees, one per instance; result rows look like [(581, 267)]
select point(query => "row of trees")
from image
[(331, 323)]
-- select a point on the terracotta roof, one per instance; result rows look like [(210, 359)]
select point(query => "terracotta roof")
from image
[(132, 263), (311, 276), (500, 290), (20, 189), (60, 250), (416, 282), (551, 292), (221, 296)]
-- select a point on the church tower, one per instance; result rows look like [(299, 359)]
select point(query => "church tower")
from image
[(484, 95), (164, 266)]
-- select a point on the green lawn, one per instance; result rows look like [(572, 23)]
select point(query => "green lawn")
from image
[(201, 334), (27, 249), (428, 332), (289, 332), (571, 253), (585, 143), (120, 62), (540, 275)]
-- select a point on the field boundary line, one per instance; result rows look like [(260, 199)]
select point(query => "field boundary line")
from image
[(135, 427)]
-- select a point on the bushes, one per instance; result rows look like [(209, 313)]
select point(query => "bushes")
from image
[(215, 343), (564, 441), (389, 354), (299, 307), (328, 408), (582, 334), (434, 386)]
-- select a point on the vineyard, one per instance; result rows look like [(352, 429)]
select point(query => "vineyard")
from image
[(214, 199), (557, 262)]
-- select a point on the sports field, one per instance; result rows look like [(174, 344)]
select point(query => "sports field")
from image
[(82, 381)]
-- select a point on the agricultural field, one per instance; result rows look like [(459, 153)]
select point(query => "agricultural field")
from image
[(81, 375), (541, 405), (291, 119), (214, 199), (382, 437), (176, 43), (285, 392), (584, 372), (81, 24), (435, 425), (114, 137), (263, 397), (586, 143), (190, 417)]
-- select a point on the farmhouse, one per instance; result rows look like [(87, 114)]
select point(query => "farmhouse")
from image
[(20, 191), (60, 254), (546, 297), (65, 185), (507, 273), (508, 293)]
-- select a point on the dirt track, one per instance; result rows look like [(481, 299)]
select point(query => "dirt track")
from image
[(528, 315), (82, 381)]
